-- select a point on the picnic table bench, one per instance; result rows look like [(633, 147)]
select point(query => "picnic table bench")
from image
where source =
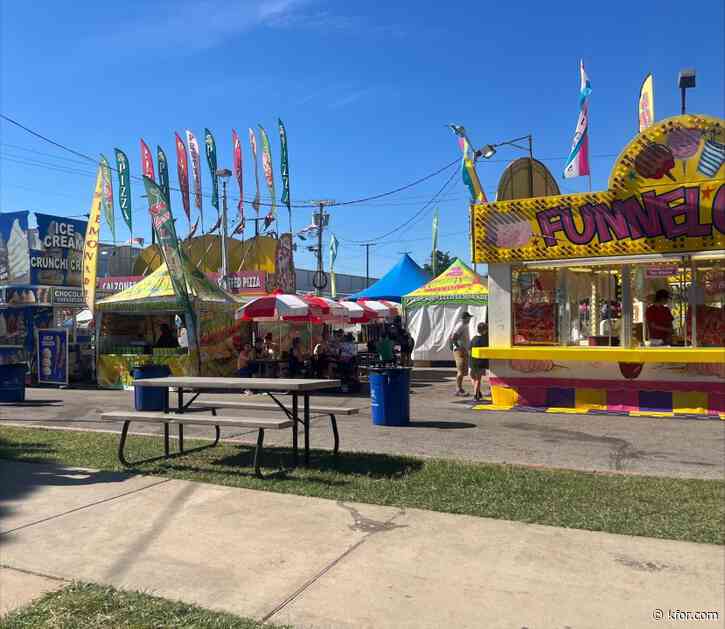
[(183, 414), (317, 411), (146, 417)]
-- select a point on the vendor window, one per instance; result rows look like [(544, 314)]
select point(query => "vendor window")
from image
[(677, 301)]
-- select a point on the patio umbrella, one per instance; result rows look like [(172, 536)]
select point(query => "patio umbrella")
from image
[(357, 312), (381, 309), (274, 308), (324, 308)]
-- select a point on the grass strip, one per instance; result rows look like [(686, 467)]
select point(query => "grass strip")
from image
[(98, 607), (668, 508)]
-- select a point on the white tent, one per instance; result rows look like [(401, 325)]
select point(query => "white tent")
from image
[(434, 310)]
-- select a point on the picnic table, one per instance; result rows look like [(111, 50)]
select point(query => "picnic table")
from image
[(296, 387)]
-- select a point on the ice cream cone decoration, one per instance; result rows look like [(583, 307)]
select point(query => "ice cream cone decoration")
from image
[(655, 161), (684, 144)]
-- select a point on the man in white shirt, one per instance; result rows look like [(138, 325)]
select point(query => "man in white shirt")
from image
[(460, 341)]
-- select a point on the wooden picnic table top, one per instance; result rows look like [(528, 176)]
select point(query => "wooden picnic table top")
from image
[(241, 384)]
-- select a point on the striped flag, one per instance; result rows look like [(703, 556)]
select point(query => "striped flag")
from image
[(577, 164)]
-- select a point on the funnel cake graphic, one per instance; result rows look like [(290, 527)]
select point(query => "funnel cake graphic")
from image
[(509, 231), (654, 162), (684, 143), (712, 158)]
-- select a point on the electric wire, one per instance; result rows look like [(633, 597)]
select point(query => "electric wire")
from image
[(296, 205)]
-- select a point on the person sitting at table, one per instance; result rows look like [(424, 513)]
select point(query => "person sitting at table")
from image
[(348, 357), (321, 356), (255, 356), (296, 362), (167, 339), (335, 349), (270, 347), (244, 369)]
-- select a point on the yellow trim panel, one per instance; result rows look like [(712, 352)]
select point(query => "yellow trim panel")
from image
[(605, 354)]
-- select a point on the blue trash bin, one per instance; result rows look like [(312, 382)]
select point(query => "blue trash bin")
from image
[(12, 382), (390, 396), (151, 398)]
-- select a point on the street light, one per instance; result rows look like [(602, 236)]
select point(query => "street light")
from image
[(224, 174), (685, 81), (489, 150)]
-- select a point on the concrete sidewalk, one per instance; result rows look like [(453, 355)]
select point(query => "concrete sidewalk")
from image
[(318, 563)]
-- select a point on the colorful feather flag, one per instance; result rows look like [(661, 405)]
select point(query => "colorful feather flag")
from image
[(163, 173), (253, 145), (196, 173), (268, 176), (163, 224), (469, 174), (646, 103), (284, 169), (90, 244), (434, 257), (238, 173), (182, 170), (192, 231), (107, 197), (577, 164), (239, 229), (124, 188), (211, 160), (216, 225), (147, 162)]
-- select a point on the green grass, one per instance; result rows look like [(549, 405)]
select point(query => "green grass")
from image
[(96, 607), (682, 509)]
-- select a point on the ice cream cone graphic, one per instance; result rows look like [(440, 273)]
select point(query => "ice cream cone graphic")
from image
[(684, 144)]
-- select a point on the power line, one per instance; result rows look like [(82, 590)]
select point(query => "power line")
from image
[(305, 205), (412, 218)]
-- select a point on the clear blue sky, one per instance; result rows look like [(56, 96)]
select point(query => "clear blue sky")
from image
[(365, 90)]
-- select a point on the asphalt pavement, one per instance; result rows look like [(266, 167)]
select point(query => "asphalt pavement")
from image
[(445, 426)]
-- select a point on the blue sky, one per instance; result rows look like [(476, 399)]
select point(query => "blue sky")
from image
[(365, 91)]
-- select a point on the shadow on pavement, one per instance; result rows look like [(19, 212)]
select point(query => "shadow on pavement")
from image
[(30, 403), (20, 479), (442, 424)]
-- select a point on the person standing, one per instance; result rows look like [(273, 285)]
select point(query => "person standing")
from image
[(479, 365), (460, 341), (659, 319)]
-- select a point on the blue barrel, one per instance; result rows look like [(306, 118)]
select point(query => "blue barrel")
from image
[(390, 396), (151, 398), (12, 382)]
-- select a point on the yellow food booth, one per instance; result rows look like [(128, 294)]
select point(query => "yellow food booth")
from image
[(614, 301), (128, 325)]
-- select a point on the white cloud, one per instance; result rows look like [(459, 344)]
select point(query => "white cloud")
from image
[(202, 25)]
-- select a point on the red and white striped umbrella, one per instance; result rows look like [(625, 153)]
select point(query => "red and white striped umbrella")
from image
[(380, 308), (274, 308), (323, 308), (357, 312)]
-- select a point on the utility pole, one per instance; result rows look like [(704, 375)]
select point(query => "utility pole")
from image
[(320, 220), (367, 246)]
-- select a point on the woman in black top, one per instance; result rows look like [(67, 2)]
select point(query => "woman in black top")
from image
[(478, 365)]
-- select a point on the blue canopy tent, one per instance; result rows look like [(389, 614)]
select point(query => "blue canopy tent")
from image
[(402, 279)]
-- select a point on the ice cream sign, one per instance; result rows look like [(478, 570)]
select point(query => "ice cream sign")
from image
[(666, 194), (56, 258)]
